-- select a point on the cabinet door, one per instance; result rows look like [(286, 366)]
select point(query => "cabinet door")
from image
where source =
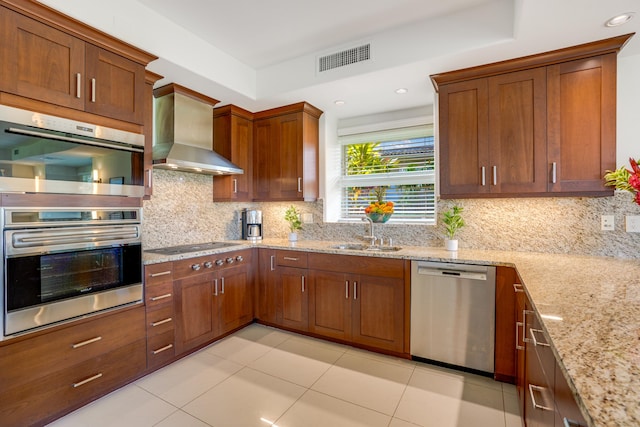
[(517, 132), (464, 150), (330, 304), (234, 299), (505, 350), (114, 86), (293, 297), (233, 139), (266, 292), (582, 124), (289, 174), (378, 312), (265, 157), (193, 311), (40, 62)]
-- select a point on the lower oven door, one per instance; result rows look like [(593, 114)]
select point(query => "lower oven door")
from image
[(45, 288)]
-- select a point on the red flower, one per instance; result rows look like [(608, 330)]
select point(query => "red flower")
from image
[(634, 180), (634, 166)]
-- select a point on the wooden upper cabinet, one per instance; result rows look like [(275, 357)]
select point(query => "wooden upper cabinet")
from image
[(582, 123), (51, 58), (517, 132), (115, 85), (233, 139), (537, 125), (40, 62), (285, 155)]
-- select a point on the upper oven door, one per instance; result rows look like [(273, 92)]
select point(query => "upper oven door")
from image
[(46, 154)]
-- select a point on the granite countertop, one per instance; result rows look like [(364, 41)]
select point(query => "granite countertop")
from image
[(590, 308)]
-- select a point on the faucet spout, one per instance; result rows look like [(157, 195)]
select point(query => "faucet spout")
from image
[(370, 236)]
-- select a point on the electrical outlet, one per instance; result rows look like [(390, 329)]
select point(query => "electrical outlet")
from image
[(632, 223), (607, 223), (307, 218)]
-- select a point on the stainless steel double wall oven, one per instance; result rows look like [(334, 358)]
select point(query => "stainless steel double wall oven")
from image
[(60, 264)]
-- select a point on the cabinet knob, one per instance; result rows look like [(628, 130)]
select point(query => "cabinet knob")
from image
[(208, 264), (230, 260), (239, 258), (195, 267), (219, 262)]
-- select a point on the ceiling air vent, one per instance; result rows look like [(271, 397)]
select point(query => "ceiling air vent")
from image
[(345, 57)]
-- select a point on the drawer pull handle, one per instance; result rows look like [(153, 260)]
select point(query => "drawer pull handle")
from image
[(288, 258), (83, 343), (517, 287), (78, 85), (161, 349), (162, 273), (161, 322), (533, 399), (535, 341), (518, 346), (88, 380), (159, 297), (566, 422), (524, 323)]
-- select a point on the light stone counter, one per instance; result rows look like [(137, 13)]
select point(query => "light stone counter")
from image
[(590, 308)]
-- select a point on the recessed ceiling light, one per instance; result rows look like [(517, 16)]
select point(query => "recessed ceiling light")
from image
[(402, 90), (619, 20), (339, 102)]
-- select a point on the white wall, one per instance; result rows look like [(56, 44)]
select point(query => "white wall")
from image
[(628, 137)]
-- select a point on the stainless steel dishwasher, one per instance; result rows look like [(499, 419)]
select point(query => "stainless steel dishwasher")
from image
[(453, 315)]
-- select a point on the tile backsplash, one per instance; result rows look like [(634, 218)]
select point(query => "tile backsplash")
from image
[(181, 211)]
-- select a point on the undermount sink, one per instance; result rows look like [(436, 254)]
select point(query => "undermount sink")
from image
[(362, 247)]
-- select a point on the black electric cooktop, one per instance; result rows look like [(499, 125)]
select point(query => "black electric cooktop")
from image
[(183, 249)]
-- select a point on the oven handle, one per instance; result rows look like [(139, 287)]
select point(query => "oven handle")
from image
[(114, 145), (49, 238)]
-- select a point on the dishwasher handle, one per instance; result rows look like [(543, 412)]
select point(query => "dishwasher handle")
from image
[(458, 274)]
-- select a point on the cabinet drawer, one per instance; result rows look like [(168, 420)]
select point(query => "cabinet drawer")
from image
[(160, 348), (33, 402), (291, 259), (160, 294), (158, 273), (351, 264), (160, 320), (38, 357)]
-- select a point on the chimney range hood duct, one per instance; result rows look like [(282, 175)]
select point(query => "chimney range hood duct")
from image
[(184, 133)]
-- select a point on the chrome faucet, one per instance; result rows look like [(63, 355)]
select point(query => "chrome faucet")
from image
[(371, 237)]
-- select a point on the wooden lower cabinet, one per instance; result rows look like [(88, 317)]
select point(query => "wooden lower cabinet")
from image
[(356, 307), (234, 298), (194, 311), (213, 296), (53, 373), (505, 345)]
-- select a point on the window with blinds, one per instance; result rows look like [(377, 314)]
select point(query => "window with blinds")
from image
[(397, 164)]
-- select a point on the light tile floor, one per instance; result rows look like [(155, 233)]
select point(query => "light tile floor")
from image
[(261, 377)]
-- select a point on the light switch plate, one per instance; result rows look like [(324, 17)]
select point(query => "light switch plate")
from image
[(607, 223), (632, 223)]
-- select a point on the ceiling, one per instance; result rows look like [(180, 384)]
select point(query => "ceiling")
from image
[(260, 54)]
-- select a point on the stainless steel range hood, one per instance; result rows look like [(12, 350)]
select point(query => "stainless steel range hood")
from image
[(184, 133)]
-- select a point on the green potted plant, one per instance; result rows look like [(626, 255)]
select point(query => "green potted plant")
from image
[(292, 216), (453, 221)]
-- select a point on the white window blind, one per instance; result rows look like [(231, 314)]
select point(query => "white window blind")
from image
[(400, 161)]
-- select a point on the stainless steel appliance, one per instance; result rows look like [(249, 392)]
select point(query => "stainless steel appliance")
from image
[(40, 153), (453, 315), (252, 224), (59, 264), (195, 247), (184, 133)]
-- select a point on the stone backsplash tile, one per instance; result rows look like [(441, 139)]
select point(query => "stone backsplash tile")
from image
[(181, 212)]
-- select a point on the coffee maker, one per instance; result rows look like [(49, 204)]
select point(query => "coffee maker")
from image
[(252, 224)]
